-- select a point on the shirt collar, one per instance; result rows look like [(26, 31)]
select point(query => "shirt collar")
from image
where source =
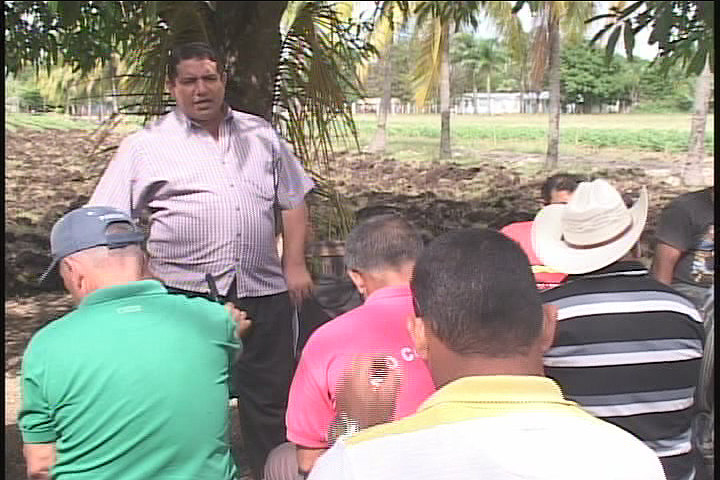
[(629, 267), (388, 292), (498, 388), (190, 124), (132, 289)]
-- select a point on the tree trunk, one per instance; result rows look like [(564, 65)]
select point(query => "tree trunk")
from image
[(475, 95), (380, 139), (692, 174), (252, 50), (488, 95), (551, 159), (445, 152)]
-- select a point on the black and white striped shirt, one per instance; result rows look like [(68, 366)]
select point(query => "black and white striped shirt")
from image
[(628, 350), (210, 201)]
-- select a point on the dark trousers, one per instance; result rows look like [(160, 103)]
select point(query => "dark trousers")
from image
[(260, 378)]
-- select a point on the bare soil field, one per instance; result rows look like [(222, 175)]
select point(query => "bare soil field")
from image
[(48, 173)]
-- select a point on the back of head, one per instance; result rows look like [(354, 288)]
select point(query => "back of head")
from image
[(476, 290), (382, 242), (187, 51), (558, 182)]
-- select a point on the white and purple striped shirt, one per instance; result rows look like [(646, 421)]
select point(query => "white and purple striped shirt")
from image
[(210, 201)]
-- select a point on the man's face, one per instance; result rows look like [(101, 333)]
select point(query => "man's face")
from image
[(199, 89)]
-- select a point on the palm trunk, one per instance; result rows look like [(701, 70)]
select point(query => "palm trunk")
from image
[(380, 139), (551, 159), (445, 152), (488, 96), (475, 94), (252, 63), (692, 174)]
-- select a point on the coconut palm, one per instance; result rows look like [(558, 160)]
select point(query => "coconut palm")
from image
[(555, 22), (390, 16), (692, 174), (435, 20)]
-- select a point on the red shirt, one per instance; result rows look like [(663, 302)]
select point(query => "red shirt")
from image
[(545, 277)]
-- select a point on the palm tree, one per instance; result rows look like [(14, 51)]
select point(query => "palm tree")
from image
[(480, 57), (390, 17), (434, 21), (555, 22), (491, 58), (465, 53), (692, 174)]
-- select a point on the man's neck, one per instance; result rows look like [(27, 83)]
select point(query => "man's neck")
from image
[(389, 278)]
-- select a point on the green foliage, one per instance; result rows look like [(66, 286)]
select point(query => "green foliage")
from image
[(683, 30), (48, 121), (37, 32), (587, 76), (401, 58), (649, 139)]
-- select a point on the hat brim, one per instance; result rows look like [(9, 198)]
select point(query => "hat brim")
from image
[(555, 253)]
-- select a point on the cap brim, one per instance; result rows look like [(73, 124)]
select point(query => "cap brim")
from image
[(555, 253)]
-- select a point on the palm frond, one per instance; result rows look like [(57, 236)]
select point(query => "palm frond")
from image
[(315, 77), (426, 75)]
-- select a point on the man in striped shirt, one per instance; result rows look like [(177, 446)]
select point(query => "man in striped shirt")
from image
[(212, 179), (627, 348)]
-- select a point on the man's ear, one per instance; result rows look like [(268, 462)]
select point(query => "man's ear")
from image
[(416, 328), (549, 324), (359, 281), (170, 85)]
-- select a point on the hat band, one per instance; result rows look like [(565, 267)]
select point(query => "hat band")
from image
[(600, 244)]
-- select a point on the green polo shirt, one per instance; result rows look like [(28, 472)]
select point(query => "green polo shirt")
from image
[(132, 385)]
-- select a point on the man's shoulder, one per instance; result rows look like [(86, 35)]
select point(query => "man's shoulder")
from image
[(517, 228)]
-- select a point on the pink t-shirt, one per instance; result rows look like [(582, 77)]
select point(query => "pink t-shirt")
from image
[(545, 277), (378, 327)]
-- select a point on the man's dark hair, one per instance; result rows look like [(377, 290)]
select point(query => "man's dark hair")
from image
[(192, 50), (476, 289), (559, 181), (382, 241)]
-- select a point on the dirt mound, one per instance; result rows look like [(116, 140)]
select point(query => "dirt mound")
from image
[(438, 197), (47, 173)]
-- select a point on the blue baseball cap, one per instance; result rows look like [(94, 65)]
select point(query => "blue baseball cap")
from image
[(85, 228)]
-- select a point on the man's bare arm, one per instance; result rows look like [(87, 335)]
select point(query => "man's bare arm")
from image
[(39, 457), (664, 262), (293, 261)]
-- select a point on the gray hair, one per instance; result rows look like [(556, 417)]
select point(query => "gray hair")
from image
[(382, 242)]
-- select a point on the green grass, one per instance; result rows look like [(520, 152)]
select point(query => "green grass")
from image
[(44, 121), (418, 136)]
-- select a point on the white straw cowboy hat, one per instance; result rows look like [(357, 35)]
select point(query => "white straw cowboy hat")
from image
[(591, 231)]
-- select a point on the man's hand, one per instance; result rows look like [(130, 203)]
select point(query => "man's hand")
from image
[(298, 281), (242, 323), (39, 458), (368, 390)]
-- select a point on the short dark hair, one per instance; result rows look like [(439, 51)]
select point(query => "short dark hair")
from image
[(559, 181), (192, 50), (476, 289), (382, 241)]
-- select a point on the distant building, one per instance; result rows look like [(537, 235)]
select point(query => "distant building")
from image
[(467, 103), (501, 102)]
